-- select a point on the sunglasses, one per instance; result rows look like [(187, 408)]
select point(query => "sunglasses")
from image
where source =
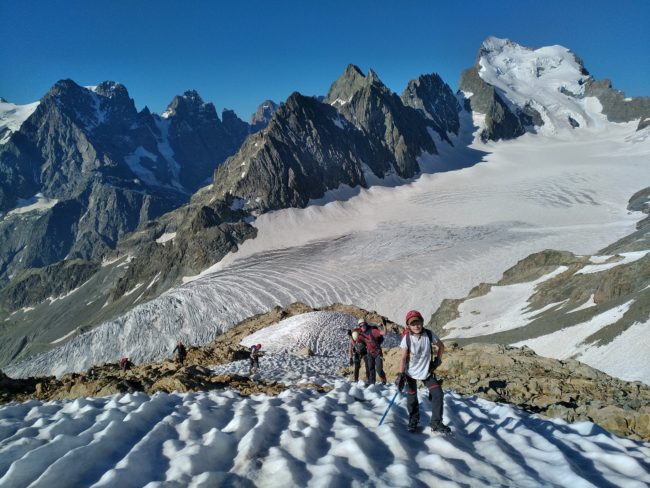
[(416, 323)]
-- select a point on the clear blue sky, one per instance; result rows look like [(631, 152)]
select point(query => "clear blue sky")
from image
[(236, 54)]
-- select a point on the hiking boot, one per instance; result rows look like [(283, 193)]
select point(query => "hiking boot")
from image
[(413, 425), (440, 428)]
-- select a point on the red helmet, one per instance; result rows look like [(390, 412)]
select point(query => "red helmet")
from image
[(258, 346), (413, 314)]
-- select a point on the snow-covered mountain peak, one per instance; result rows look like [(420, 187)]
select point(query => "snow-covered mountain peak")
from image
[(506, 63), (551, 80)]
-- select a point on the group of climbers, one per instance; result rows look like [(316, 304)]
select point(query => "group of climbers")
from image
[(365, 345), (417, 363)]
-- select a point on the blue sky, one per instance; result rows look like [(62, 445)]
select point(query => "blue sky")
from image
[(237, 54)]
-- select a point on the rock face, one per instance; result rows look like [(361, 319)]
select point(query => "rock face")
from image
[(500, 121), (35, 285), (263, 115), (434, 99), (396, 131), (616, 106)]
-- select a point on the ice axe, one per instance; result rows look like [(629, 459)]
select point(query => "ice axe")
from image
[(389, 405)]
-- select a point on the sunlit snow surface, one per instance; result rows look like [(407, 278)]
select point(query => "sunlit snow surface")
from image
[(392, 249), (301, 437)]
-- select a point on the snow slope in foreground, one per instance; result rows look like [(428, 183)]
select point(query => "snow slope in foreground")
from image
[(302, 438)]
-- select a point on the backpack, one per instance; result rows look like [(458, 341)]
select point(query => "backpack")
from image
[(360, 348)]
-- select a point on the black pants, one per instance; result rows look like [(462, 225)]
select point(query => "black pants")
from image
[(255, 363), (374, 368), (356, 360), (412, 404)]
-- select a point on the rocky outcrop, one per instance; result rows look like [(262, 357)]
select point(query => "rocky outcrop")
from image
[(299, 156), (202, 239), (567, 389), (644, 122), (616, 106), (198, 139), (109, 379)]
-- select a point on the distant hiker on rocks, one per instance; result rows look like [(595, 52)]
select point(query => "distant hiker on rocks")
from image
[(357, 352), (373, 336), (418, 363), (181, 352), (255, 358), (125, 364), (92, 372)]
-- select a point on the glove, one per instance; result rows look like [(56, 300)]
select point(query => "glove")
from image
[(400, 379), (435, 363), (350, 360)]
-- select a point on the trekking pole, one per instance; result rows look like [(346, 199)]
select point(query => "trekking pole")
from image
[(389, 405)]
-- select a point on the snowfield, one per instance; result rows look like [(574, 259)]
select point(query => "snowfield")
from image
[(302, 437)]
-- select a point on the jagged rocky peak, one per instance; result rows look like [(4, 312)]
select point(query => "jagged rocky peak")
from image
[(435, 100), (112, 89), (350, 82), (263, 114), (235, 126), (232, 122), (93, 106), (190, 104)]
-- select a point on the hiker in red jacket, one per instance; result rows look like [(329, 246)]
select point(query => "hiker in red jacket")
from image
[(372, 336), (418, 364)]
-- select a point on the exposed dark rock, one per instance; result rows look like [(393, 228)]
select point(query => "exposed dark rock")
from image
[(263, 115), (616, 106), (500, 121), (398, 133), (32, 286)]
